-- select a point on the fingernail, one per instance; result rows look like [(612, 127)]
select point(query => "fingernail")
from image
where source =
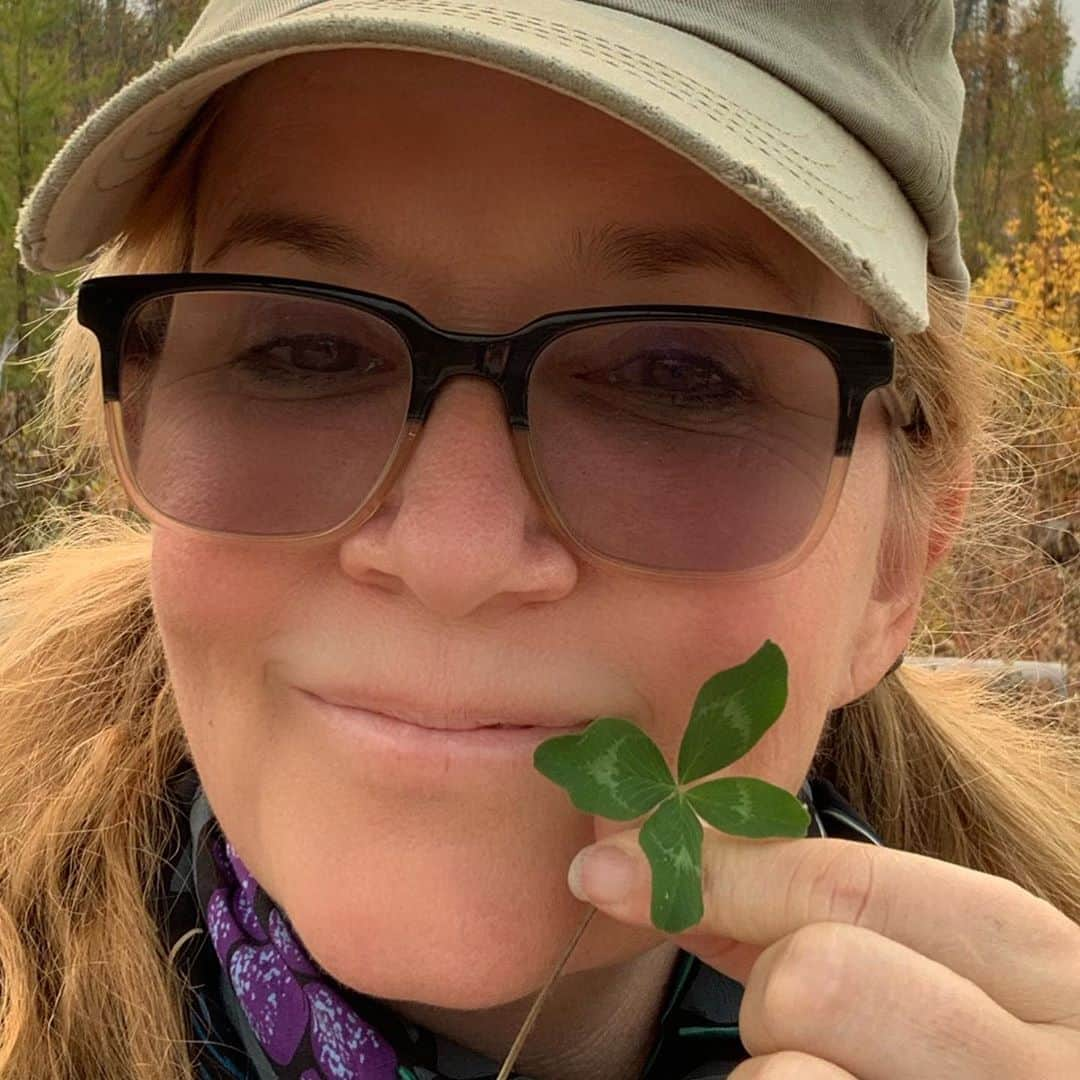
[(602, 874)]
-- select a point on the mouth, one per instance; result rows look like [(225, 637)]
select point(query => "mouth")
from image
[(452, 722), (392, 750)]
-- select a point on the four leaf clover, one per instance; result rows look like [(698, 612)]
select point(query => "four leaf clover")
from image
[(614, 770)]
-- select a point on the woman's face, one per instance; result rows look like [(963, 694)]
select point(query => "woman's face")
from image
[(445, 882)]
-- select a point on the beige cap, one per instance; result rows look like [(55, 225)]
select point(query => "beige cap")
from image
[(839, 119)]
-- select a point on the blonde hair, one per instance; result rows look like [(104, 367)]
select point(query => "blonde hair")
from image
[(940, 763)]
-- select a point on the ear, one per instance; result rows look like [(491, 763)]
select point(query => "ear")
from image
[(949, 514), (903, 569)]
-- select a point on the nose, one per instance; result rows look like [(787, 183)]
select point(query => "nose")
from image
[(461, 528)]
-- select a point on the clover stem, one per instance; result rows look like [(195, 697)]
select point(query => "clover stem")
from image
[(534, 1012)]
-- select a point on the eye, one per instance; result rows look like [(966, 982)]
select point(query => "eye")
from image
[(312, 353), (681, 370), (673, 376)]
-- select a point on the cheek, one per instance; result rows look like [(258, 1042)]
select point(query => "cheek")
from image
[(221, 593), (215, 605), (209, 599), (195, 587)]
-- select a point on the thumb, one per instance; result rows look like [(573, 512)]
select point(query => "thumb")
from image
[(727, 955)]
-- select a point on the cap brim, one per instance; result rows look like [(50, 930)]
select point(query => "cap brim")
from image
[(745, 127)]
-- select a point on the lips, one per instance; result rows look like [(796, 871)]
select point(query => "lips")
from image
[(448, 720)]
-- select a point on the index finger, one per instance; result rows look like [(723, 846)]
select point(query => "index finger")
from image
[(1021, 950)]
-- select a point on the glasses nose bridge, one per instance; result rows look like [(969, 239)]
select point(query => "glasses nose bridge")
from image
[(493, 359), (488, 360)]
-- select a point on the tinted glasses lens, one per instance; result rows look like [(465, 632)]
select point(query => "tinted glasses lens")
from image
[(258, 413), (685, 445)]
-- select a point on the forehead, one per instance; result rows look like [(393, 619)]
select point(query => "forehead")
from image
[(407, 103), (449, 163)]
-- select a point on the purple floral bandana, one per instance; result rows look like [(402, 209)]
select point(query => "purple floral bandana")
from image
[(306, 1029)]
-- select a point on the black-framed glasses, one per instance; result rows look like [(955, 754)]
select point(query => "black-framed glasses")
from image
[(670, 440)]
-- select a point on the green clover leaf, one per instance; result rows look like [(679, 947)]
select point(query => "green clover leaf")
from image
[(614, 770)]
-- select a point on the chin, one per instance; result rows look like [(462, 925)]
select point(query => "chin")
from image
[(466, 956), (434, 966)]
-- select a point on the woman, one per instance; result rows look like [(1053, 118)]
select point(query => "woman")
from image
[(241, 710)]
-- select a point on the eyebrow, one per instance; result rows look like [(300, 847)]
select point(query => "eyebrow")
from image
[(308, 234), (649, 251), (611, 249)]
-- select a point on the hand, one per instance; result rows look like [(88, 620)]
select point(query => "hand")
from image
[(862, 962)]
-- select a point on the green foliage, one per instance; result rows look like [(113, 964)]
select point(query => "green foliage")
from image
[(743, 702), (34, 105), (1013, 56), (614, 770), (60, 59)]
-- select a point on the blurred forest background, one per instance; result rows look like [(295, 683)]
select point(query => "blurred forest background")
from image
[(1019, 191)]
